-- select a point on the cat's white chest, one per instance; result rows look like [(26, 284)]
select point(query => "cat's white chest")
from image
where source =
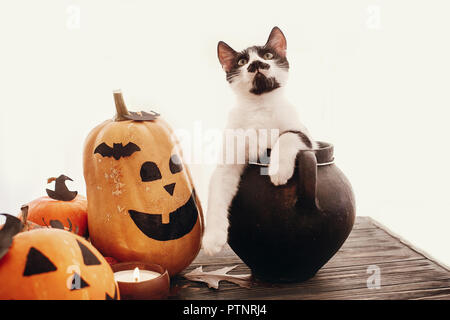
[(261, 129)]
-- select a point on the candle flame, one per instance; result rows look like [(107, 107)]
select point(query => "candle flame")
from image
[(136, 275)]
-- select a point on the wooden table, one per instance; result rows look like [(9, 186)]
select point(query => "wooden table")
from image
[(406, 272)]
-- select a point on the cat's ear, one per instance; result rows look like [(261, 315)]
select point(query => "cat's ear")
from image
[(277, 41), (226, 55)]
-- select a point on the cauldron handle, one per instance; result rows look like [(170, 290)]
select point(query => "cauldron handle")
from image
[(307, 171)]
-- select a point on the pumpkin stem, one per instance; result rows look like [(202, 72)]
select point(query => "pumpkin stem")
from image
[(24, 211), (27, 225), (121, 108)]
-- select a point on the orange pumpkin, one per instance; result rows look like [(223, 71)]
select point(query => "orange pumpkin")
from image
[(54, 264), (62, 208), (141, 201)]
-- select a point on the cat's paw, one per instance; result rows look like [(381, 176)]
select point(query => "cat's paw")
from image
[(281, 172), (213, 241)]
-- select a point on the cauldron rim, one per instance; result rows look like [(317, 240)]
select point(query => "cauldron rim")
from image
[(324, 154)]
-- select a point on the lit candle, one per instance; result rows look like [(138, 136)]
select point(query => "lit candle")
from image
[(141, 281), (135, 275)]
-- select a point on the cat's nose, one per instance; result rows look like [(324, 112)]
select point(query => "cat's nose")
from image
[(256, 65)]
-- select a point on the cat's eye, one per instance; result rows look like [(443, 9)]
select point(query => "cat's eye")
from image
[(242, 61), (267, 56)]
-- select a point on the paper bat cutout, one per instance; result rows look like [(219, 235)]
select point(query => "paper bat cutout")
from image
[(56, 224), (117, 151), (212, 278), (12, 226), (61, 192), (141, 116)]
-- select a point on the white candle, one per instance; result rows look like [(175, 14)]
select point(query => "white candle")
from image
[(135, 275)]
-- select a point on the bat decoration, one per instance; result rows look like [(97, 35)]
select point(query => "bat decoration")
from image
[(141, 116), (212, 278), (56, 224), (117, 151), (12, 226), (61, 192)]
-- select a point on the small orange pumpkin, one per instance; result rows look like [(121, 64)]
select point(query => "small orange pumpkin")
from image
[(141, 200), (52, 264), (62, 208)]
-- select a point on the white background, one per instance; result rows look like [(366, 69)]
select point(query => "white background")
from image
[(372, 77)]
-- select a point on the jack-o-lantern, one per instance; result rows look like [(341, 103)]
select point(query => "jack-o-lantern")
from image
[(141, 201), (51, 264), (62, 208)]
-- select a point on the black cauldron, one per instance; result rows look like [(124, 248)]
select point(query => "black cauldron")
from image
[(287, 233)]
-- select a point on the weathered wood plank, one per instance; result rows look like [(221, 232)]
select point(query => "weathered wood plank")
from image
[(435, 297), (333, 282), (405, 273), (375, 247), (394, 293), (363, 223), (408, 244), (423, 290)]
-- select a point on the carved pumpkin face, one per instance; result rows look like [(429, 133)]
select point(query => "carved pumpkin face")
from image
[(57, 265), (142, 204)]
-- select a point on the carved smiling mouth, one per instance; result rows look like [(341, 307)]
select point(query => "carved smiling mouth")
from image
[(181, 222)]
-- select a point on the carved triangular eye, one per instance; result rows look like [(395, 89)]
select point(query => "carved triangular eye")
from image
[(89, 257), (78, 282), (37, 263), (108, 297)]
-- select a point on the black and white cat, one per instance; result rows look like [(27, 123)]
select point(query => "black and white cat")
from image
[(257, 75)]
